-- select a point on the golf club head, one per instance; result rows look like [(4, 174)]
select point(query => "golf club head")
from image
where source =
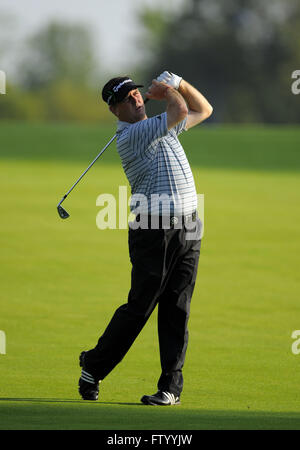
[(62, 212)]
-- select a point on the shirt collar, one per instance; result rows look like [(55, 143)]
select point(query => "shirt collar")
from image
[(122, 125)]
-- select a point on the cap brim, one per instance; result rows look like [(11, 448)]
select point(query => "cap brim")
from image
[(125, 90)]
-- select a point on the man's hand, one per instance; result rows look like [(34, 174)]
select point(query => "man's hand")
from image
[(157, 90), (176, 106), (170, 79)]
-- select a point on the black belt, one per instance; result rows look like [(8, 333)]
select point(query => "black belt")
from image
[(155, 221)]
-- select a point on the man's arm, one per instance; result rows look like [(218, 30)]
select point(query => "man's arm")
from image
[(199, 108), (176, 104)]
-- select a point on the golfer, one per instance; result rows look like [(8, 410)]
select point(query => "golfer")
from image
[(164, 240)]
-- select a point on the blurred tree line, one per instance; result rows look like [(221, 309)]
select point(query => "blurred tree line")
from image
[(58, 78), (238, 53)]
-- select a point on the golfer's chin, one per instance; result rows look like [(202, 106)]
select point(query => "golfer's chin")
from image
[(140, 113), (135, 115)]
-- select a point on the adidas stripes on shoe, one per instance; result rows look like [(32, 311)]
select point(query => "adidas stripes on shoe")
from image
[(88, 387), (161, 398)]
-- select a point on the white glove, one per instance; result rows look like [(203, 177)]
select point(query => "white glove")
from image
[(170, 79)]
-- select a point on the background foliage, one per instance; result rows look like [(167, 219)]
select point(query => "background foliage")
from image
[(239, 53)]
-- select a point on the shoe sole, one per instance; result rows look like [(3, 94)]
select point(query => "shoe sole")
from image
[(146, 401), (89, 399)]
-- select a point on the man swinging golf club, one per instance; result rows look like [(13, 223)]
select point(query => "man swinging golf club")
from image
[(164, 261)]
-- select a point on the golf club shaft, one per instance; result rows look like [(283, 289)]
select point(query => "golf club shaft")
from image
[(87, 169), (92, 163)]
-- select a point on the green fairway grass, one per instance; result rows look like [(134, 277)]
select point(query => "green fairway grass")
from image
[(61, 281)]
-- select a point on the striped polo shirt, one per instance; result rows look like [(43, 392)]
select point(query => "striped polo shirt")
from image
[(156, 167)]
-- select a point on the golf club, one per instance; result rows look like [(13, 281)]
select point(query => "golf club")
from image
[(63, 214)]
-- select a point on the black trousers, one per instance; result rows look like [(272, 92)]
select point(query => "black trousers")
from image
[(164, 269)]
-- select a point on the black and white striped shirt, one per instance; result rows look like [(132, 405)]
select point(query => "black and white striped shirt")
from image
[(156, 166)]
